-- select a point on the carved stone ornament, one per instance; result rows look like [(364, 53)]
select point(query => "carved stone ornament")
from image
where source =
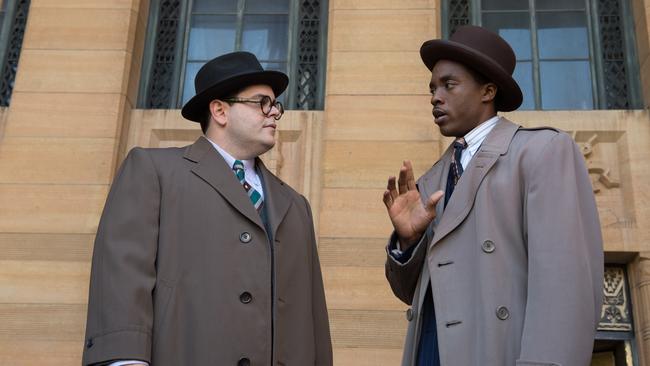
[(599, 173), (615, 314)]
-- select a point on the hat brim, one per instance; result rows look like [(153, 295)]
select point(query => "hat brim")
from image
[(509, 96), (196, 108)]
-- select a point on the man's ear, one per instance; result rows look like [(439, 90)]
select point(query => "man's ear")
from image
[(489, 92), (219, 111)]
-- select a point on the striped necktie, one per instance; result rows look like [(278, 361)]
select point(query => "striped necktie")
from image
[(255, 196), (455, 169)]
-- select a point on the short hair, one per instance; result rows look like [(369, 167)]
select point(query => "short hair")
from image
[(205, 121), (477, 76)]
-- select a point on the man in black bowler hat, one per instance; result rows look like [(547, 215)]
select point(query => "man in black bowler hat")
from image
[(497, 248), (203, 256)]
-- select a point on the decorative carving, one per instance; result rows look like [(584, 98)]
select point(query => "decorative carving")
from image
[(615, 314), (613, 55), (600, 174), (162, 70), (459, 14), (15, 44), (308, 44)]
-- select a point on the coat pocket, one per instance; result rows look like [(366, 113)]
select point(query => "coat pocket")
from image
[(536, 363)]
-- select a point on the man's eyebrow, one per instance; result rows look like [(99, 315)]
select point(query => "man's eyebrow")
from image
[(443, 79), (260, 96)]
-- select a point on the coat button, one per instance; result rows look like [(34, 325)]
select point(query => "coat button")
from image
[(245, 237), (244, 362), (488, 246), (89, 343), (409, 314), (503, 313), (245, 297)]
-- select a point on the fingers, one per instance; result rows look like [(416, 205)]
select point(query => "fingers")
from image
[(388, 199), (401, 182), (390, 194), (391, 188), (410, 179), (433, 201)]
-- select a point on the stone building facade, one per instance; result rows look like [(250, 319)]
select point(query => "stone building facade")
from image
[(75, 109)]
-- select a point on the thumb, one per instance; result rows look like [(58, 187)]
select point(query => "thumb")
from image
[(430, 206)]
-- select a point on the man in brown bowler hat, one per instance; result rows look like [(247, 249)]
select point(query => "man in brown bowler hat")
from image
[(203, 256), (497, 248)]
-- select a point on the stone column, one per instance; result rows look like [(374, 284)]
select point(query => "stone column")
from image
[(639, 275), (75, 86)]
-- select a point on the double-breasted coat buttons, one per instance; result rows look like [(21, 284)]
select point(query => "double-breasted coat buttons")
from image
[(503, 313), (488, 246), (244, 362), (245, 297), (245, 237), (409, 314)]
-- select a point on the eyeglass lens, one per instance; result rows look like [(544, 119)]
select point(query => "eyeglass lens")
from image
[(267, 104)]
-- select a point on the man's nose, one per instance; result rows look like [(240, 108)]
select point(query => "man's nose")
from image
[(435, 98)]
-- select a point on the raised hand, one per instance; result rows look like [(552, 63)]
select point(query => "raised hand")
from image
[(409, 215)]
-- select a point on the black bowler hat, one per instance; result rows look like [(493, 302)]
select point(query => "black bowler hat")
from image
[(485, 52), (227, 74)]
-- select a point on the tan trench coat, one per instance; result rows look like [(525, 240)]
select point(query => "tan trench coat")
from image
[(516, 259), (183, 273)]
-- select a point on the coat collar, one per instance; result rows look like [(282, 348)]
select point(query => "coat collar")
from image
[(212, 168), (276, 196), (495, 144)]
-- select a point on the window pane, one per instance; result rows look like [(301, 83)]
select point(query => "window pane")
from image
[(191, 68), (266, 36), (562, 35), (266, 6), (216, 6), (277, 66), (514, 28), (566, 85), (559, 4), (504, 4), (211, 36), (524, 76)]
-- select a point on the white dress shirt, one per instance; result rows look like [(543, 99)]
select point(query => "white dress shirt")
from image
[(251, 177), (474, 139)]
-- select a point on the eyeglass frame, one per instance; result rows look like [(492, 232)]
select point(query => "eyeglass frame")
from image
[(272, 103)]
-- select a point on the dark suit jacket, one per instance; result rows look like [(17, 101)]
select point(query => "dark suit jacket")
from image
[(183, 272)]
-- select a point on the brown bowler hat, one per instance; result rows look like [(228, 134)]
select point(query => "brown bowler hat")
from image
[(227, 74), (485, 52)]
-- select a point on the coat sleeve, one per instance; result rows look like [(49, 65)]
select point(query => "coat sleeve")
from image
[(565, 258), (403, 276), (322, 336), (123, 275)]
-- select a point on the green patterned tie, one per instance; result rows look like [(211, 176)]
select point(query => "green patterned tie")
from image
[(255, 196)]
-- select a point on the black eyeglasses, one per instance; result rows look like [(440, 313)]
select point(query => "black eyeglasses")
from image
[(266, 104)]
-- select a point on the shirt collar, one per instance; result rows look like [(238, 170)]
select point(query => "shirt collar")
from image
[(475, 137), (249, 164)]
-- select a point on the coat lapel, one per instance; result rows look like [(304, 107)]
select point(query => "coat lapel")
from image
[(494, 145), (211, 167), (276, 197), (433, 180)]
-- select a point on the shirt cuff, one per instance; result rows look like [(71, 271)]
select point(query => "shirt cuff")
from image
[(128, 362), (396, 252)]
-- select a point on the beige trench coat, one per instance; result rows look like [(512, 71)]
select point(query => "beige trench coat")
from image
[(183, 273), (516, 259)]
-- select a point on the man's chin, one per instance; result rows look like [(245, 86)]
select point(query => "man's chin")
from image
[(446, 132), (265, 146)]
